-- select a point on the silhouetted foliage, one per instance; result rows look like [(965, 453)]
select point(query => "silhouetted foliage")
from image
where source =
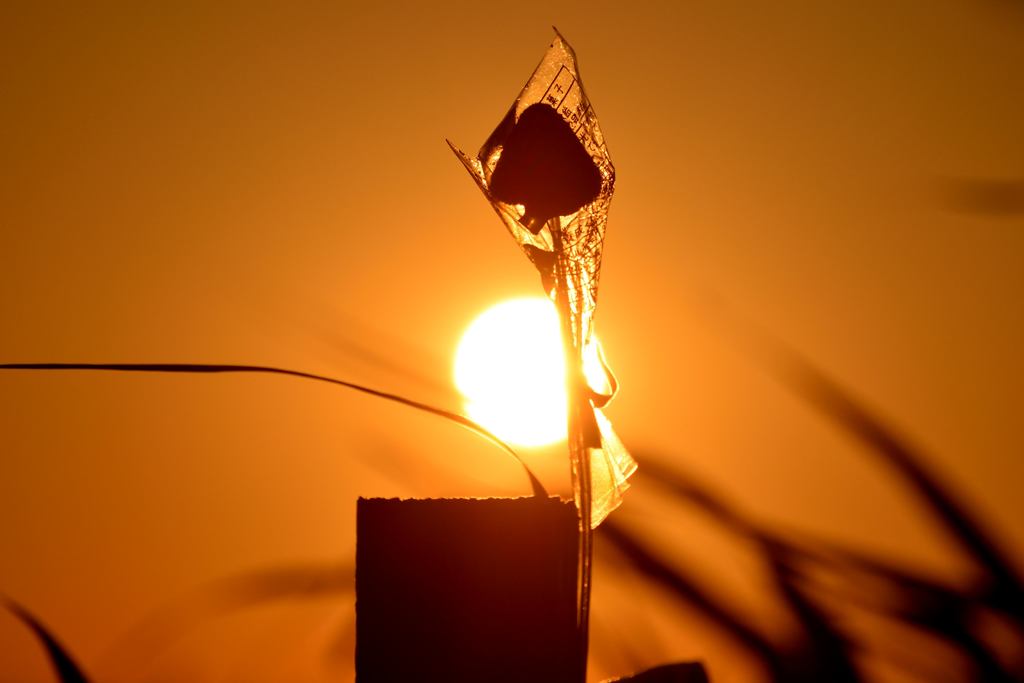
[(214, 368), (991, 197), (63, 663)]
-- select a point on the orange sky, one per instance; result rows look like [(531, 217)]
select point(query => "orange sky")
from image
[(271, 185)]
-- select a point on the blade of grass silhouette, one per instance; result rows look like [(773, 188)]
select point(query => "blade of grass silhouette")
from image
[(208, 368), (1004, 593), (686, 589), (818, 551), (945, 612), (815, 386), (63, 663), (824, 652), (838, 404), (821, 652)]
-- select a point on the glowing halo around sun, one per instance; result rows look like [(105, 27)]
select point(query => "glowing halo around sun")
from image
[(510, 368)]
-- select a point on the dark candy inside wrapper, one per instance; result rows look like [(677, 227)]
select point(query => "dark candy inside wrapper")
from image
[(547, 160), (544, 167)]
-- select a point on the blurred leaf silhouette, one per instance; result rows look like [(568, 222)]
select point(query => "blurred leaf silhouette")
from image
[(64, 665), (991, 197), (213, 368), (907, 462), (823, 649)]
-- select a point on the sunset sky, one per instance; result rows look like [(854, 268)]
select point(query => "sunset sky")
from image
[(233, 183)]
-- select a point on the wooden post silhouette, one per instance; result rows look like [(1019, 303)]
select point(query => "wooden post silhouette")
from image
[(466, 590)]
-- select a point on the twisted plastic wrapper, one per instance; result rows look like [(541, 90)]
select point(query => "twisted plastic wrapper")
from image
[(546, 171)]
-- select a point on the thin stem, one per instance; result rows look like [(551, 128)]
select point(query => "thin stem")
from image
[(206, 368), (579, 457), (586, 538)]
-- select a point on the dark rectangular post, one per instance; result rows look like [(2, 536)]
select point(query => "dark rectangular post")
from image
[(461, 590)]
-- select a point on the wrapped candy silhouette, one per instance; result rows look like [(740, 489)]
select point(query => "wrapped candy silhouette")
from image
[(547, 173), (544, 167)]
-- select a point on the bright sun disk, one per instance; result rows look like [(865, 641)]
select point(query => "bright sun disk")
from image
[(510, 368)]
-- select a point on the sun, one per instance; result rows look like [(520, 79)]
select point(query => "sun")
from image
[(510, 369)]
